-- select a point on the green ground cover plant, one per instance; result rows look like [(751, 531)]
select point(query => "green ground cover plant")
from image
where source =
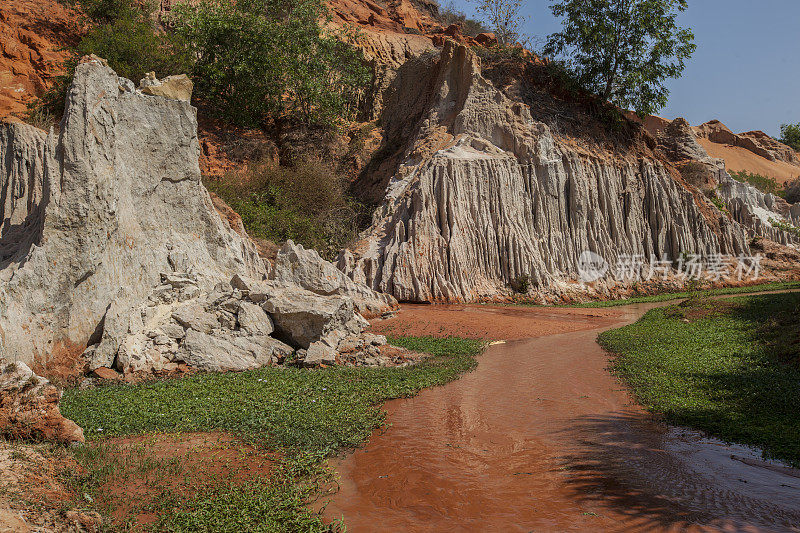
[(304, 415), (680, 295), (306, 202), (667, 296), (729, 368)]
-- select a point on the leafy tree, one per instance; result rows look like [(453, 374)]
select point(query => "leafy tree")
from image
[(133, 47), (624, 50), (504, 18), (267, 60), (790, 135), (123, 33)]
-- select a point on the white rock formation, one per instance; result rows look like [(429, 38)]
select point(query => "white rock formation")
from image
[(306, 268), (484, 194), (120, 203), (758, 212), (106, 226)]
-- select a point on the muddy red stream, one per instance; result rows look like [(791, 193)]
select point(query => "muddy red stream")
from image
[(540, 437)]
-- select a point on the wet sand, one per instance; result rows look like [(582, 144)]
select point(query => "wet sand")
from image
[(490, 322), (540, 437)]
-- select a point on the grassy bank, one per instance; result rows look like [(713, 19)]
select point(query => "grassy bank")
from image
[(668, 296), (731, 368), (303, 415)]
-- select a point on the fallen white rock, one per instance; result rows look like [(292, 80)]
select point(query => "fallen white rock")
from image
[(110, 246)]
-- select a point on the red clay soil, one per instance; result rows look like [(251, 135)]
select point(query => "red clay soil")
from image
[(149, 465), (488, 322), (33, 495), (33, 34)]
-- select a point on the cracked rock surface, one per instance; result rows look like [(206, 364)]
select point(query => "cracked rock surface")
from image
[(479, 194), (108, 240)]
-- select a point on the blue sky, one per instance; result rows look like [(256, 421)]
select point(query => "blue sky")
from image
[(745, 72)]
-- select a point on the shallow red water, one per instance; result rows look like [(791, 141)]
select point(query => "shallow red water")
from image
[(540, 437)]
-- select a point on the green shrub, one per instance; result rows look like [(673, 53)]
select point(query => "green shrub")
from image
[(269, 60), (521, 284), (126, 37), (790, 135), (252, 61), (107, 11), (763, 183), (133, 48), (306, 202)]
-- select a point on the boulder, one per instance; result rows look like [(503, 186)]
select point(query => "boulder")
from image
[(302, 317), (173, 331), (138, 353), (318, 354), (107, 374), (220, 354), (194, 316), (253, 320), (678, 142), (29, 407), (488, 40), (295, 264), (175, 87)]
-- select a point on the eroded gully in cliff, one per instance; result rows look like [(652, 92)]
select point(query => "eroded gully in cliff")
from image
[(540, 437)]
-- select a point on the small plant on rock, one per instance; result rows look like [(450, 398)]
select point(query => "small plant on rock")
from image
[(521, 284), (763, 183), (785, 226)]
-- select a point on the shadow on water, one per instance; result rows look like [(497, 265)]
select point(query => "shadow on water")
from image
[(666, 478), (742, 384)]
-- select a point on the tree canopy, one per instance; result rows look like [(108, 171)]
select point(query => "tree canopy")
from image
[(624, 50), (790, 135), (259, 59)]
